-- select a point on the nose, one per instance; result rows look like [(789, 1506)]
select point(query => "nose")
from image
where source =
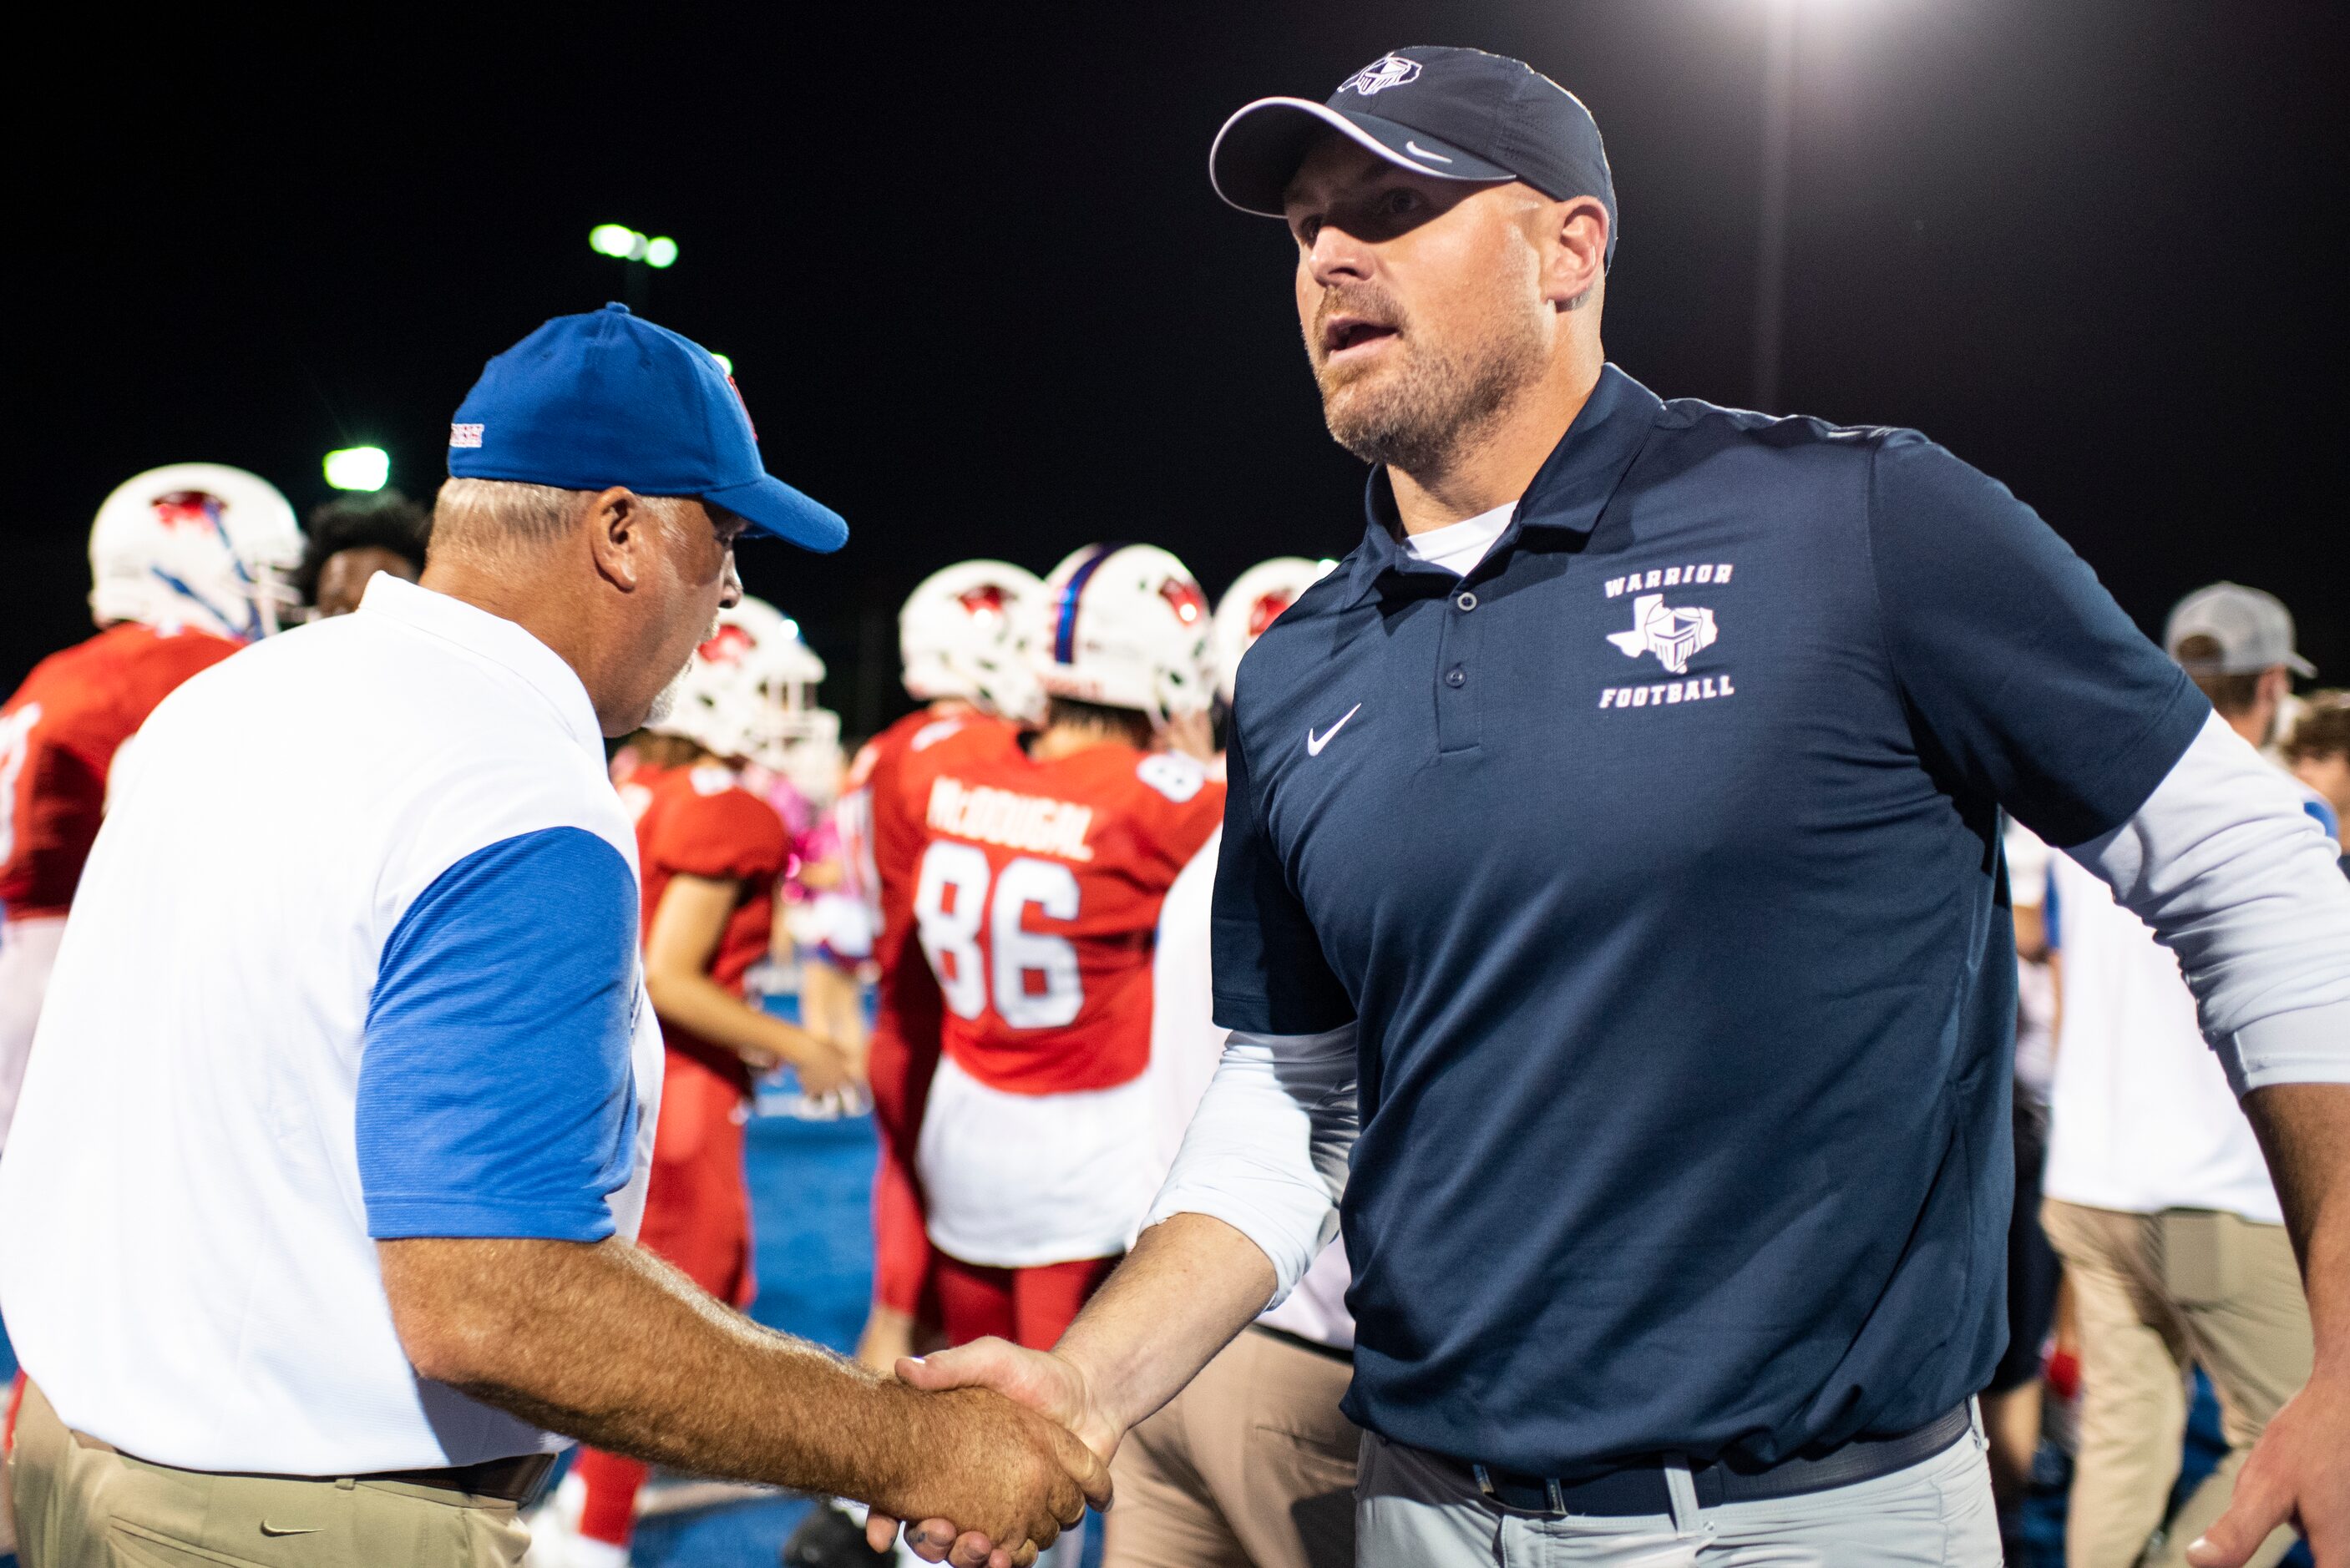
[(730, 592), (1337, 256)]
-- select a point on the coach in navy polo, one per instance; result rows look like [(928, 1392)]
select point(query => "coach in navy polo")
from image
[(317, 1225), (1612, 919)]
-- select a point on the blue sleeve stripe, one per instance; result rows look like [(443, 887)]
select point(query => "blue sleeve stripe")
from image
[(495, 1096)]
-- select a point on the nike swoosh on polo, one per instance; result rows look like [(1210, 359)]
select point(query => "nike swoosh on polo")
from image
[(1417, 150), (269, 1529), (1314, 743)]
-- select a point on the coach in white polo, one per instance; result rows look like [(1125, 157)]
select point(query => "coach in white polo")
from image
[(317, 1221)]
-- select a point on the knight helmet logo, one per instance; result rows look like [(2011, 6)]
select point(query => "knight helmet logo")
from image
[(1390, 70), (1672, 634)]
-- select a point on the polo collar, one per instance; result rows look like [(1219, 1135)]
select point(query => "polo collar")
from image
[(1568, 492), (494, 638)]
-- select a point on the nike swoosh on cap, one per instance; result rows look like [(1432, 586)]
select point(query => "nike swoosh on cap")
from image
[(269, 1529), (1417, 150)]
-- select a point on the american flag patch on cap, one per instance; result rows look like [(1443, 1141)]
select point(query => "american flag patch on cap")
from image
[(464, 435)]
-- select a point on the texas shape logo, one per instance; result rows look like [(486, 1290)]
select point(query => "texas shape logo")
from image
[(1672, 634), (1388, 70)]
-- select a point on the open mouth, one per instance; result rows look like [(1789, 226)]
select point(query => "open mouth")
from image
[(1347, 335)]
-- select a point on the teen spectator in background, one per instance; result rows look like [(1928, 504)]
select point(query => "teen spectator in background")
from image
[(2318, 752), (353, 537)]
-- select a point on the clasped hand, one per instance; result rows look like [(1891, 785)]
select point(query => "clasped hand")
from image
[(1046, 1383)]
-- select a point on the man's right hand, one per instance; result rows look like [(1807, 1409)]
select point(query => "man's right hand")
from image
[(1010, 1481), (1047, 1384)]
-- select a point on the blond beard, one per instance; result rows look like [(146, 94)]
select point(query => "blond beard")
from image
[(1419, 415)]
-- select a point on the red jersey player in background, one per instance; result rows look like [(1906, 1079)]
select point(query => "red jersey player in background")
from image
[(710, 854), (962, 641), (187, 565), (1038, 902)]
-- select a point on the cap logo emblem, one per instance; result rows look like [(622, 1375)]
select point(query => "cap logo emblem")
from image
[(464, 435), (1390, 70)]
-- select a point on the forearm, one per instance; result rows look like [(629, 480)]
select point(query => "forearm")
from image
[(702, 1007), (609, 1345), (1191, 1284), (2304, 1130)]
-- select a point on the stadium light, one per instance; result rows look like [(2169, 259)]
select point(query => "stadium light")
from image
[(359, 468), (622, 243), (725, 363)]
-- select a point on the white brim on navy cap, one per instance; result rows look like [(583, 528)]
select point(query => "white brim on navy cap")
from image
[(1257, 152), (771, 506)]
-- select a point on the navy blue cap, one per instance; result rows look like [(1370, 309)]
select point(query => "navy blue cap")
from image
[(604, 398), (1456, 114)]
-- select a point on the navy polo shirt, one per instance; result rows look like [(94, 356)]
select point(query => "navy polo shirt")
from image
[(1660, 863)]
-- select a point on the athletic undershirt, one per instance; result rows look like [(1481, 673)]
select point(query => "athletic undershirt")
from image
[(1458, 547)]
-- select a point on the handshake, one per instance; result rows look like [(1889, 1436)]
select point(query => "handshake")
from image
[(1010, 1448)]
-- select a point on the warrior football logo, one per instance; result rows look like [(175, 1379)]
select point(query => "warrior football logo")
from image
[(1672, 634), (1393, 71)]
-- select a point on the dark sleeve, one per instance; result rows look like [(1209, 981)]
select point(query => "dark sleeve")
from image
[(495, 1095), (2023, 675), (1271, 976)]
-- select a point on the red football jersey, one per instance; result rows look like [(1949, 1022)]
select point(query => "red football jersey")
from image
[(698, 822), (58, 735), (1036, 902), (881, 826)]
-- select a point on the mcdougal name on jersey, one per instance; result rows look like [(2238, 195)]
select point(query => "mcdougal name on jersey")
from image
[(1663, 693), (1034, 823)]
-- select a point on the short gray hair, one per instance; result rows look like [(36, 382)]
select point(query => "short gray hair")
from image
[(493, 511)]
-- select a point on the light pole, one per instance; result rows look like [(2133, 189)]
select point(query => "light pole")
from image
[(625, 244), (1771, 258)]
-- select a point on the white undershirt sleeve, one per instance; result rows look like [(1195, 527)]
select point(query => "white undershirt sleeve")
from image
[(1266, 1152), (2241, 885)]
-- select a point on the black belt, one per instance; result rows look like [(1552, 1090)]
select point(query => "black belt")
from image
[(517, 1479), (1641, 1489)]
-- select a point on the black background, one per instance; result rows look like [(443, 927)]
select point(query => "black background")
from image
[(981, 299)]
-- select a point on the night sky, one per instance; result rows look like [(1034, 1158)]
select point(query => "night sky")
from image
[(981, 299)]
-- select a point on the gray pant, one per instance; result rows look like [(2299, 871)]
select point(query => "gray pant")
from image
[(1410, 1510)]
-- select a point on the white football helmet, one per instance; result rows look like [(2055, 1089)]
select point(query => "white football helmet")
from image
[(748, 694), (1255, 597), (1125, 626), (962, 635), (195, 544)]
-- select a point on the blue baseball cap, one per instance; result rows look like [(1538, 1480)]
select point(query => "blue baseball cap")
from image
[(607, 397), (1455, 114)]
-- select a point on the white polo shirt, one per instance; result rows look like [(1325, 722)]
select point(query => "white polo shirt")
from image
[(355, 958)]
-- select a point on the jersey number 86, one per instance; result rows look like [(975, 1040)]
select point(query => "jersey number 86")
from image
[(953, 902)]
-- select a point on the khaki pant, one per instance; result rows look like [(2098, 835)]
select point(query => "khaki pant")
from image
[(1252, 1464), (80, 1504), (2155, 1294)]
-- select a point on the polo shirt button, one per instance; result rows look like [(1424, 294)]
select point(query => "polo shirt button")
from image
[(1456, 677), (1466, 602)]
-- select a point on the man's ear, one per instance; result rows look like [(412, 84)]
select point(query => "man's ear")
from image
[(621, 530), (1574, 262)]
